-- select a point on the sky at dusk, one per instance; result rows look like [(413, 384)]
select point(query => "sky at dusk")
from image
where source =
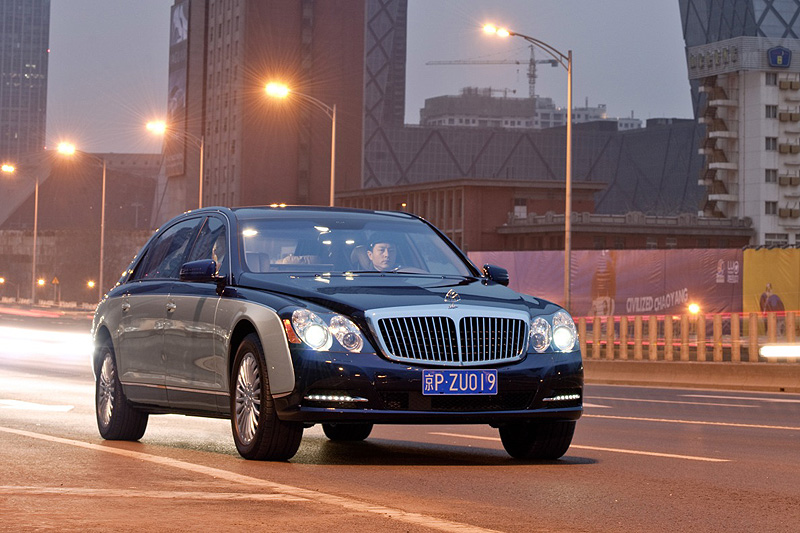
[(108, 60)]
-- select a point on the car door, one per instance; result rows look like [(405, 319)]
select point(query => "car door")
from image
[(146, 313), (195, 372)]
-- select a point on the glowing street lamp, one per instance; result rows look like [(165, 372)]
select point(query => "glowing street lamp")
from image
[(279, 90), (10, 169), (3, 281), (90, 284), (161, 128), (68, 149), (565, 60)]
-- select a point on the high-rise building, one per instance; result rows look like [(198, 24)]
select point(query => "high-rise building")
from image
[(258, 150), (24, 38), (744, 67)]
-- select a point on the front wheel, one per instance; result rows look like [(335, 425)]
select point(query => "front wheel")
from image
[(116, 418), (257, 431), (546, 440), (347, 432)]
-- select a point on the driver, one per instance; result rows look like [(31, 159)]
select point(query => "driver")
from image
[(382, 252)]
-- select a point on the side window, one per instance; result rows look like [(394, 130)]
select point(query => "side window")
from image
[(212, 244), (166, 255)]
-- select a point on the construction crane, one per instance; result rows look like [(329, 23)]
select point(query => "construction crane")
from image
[(532, 62)]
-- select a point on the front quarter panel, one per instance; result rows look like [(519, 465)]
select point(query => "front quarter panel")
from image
[(107, 318), (231, 313)]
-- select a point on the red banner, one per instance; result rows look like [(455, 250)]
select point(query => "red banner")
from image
[(629, 282)]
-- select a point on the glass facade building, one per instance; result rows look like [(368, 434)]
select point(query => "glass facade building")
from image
[(24, 42)]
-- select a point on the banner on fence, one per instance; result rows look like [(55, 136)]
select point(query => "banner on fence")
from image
[(771, 280), (629, 282)]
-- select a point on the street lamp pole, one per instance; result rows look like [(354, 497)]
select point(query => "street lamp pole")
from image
[(102, 233), (35, 232), (277, 90), (68, 149), (565, 60), (159, 127)]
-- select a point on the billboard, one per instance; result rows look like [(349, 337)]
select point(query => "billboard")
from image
[(771, 281), (175, 144), (629, 282)]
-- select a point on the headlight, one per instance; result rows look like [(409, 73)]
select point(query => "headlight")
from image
[(564, 334), (319, 330), (347, 333), (311, 329), (541, 334)]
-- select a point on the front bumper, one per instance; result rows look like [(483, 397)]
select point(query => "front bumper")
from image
[(541, 386)]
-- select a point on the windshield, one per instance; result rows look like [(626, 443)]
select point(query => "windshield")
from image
[(346, 242)]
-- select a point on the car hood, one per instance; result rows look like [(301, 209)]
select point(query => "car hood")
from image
[(351, 294)]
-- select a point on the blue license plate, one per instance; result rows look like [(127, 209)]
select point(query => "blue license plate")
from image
[(459, 382)]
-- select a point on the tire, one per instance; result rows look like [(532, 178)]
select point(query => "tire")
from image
[(257, 431), (116, 418), (347, 432), (546, 440)]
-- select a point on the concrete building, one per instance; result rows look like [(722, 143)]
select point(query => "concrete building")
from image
[(494, 108), (257, 150), (746, 90), (24, 43)]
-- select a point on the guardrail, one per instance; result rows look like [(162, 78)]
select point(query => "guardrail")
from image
[(731, 337)]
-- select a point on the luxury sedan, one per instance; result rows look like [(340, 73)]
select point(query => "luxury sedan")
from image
[(280, 318)]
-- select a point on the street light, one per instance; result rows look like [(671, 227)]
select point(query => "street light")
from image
[(3, 281), (10, 169), (160, 127), (565, 60), (69, 149), (279, 90)]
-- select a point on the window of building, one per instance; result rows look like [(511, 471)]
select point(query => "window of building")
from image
[(619, 242), (652, 243), (776, 239), (771, 144), (703, 242), (771, 175), (520, 208), (771, 78), (770, 208), (771, 111), (671, 242), (599, 242)]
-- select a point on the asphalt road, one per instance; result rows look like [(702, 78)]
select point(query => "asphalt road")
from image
[(643, 459)]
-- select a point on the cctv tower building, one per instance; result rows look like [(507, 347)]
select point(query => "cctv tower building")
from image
[(23, 67), (744, 67)]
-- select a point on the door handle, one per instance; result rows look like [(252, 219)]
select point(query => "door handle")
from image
[(126, 306), (171, 307)]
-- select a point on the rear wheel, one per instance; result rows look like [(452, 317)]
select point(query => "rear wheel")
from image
[(546, 440), (116, 418), (257, 431), (347, 432)]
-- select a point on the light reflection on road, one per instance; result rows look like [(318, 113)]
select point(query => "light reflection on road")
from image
[(64, 347)]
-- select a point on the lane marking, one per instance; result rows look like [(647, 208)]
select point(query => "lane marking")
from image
[(29, 406), (596, 406), (416, 519), (153, 494), (752, 398), (672, 402), (599, 449), (693, 422)]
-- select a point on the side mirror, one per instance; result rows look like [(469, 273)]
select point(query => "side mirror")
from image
[(496, 274), (202, 271)]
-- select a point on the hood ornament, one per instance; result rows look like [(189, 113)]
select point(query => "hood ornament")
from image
[(452, 298)]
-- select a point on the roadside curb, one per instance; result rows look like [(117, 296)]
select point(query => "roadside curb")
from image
[(772, 377)]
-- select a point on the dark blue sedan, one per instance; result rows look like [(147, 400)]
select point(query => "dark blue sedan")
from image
[(280, 318)]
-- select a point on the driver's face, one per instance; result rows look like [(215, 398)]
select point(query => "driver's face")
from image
[(382, 255)]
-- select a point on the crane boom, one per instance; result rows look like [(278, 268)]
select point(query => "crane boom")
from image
[(532, 62)]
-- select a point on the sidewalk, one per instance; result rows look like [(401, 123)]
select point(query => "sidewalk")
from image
[(769, 377)]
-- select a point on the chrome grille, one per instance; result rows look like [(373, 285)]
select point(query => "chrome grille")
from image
[(491, 338), (463, 336)]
